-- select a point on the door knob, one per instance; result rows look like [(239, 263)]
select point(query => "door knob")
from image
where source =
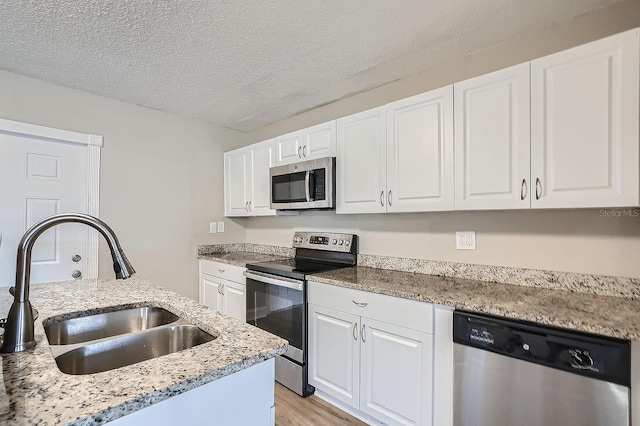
[(76, 274), (76, 258)]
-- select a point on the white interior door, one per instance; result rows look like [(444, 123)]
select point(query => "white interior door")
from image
[(39, 178)]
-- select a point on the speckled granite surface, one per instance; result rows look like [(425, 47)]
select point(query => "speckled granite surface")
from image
[(240, 258), (628, 288), (605, 315), (34, 391), (247, 247)]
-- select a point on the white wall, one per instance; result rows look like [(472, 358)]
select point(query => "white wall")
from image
[(161, 175), (569, 240)]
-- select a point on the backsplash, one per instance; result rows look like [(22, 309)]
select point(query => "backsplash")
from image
[(627, 288), (250, 247)]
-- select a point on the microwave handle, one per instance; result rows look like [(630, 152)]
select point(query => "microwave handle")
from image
[(309, 184)]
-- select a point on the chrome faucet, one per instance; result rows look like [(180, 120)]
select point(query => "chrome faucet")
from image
[(18, 326)]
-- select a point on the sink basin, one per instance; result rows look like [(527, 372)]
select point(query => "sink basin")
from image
[(107, 324), (129, 349)]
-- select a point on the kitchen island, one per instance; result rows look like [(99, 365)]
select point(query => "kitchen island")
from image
[(35, 391)]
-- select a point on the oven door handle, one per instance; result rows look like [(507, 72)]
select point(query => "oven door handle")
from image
[(277, 281)]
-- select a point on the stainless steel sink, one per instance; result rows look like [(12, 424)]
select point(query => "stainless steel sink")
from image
[(109, 340), (107, 324), (129, 349)]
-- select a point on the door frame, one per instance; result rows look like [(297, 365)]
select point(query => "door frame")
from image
[(94, 144)]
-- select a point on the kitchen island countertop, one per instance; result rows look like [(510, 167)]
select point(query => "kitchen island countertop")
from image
[(604, 315), (35, 391)]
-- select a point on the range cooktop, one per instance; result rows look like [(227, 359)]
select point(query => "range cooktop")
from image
[(315, 252), (294, 268)]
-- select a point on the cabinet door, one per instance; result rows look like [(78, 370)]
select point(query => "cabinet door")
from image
[(261, 158), (211, 292), (492, 141), (236, 184), (396, 373), (584, 125), (289, 148), (235, 304), (319, 141), (361, 162), (334, 353), (420, 152)]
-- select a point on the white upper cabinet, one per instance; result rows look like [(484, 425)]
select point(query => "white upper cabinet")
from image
[(246, 180), (236, 183), (361, 162), (398, 158), (314, 142), (584, 125), (492, 141), (319, 141), (420, 152), (289, 148), (261, 157)]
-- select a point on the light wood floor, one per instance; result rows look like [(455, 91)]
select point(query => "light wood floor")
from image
[(293, 410)]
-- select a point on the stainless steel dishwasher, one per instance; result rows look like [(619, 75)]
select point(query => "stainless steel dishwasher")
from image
[(512, 373)]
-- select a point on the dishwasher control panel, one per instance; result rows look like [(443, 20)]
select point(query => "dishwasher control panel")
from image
[(581, 353)]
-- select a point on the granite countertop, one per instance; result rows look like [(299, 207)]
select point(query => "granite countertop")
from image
[(240, 258), (605, 315), (35, 391)]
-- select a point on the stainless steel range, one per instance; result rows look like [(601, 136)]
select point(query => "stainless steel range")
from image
[(277, 297)]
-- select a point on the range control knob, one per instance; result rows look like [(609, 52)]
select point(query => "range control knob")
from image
[(334, 241), (346, 243), (580, 359), (340, 242)]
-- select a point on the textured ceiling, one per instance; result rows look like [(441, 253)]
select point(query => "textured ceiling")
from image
[(245, 64)]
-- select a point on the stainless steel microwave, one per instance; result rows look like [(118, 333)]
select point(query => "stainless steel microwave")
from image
[(305, 185)]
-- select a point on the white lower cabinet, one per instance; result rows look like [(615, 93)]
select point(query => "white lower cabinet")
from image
[(223, 288), (396, 370), (382, 370)]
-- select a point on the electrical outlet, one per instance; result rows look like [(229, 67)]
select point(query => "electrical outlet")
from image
[(466, 240), (220, 226), (213, 226)]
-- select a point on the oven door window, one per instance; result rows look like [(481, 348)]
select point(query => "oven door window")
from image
[(278, 310)]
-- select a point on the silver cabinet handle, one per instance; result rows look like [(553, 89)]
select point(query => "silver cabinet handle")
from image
[(246, 206), (538, 186), (382, 198), (363, 336), (355, 332), (299, 148), (304, 151), (389, 198), (360, 304), (250, 205), (523, 189), (222, 289), (219, 288), (221, 270)]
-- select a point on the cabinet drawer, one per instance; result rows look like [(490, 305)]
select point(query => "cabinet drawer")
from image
[(393, 310), (223, 270)]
